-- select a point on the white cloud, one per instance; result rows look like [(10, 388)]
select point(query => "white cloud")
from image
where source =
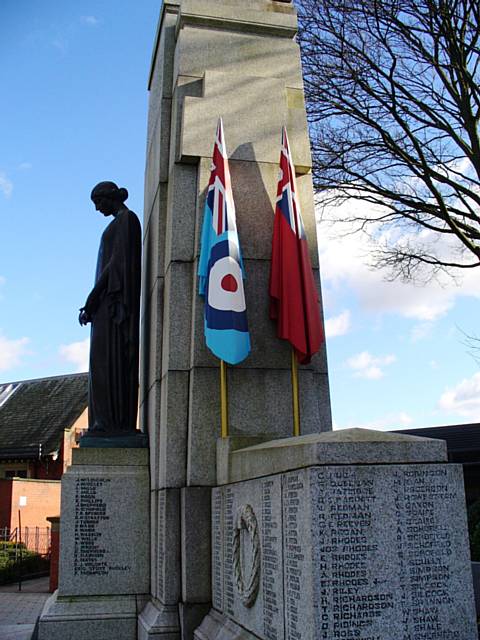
[(25, 166), (389, 422), (77, 353), (367, 366), (6, 185), (92, 21), (463, 399), (338, 325), (421, 331), (11, 352), (344, 260)]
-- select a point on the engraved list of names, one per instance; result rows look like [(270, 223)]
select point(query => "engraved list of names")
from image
[(388, 560), (265, 617), (360, 552), (90, 510)]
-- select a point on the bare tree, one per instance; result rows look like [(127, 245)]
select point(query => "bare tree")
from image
[(393, 100)]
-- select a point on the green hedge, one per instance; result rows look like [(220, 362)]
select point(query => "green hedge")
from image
[(474, 530), (10, 566)]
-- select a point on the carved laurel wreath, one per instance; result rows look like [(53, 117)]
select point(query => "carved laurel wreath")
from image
[(247, 588)]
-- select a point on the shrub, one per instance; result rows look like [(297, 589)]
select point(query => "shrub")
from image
[(10, 565), (474, 530)]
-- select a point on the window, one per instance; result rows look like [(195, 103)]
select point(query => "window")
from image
[(21, 473)]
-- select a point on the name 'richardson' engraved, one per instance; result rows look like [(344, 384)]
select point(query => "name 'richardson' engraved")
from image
[(383, 552)]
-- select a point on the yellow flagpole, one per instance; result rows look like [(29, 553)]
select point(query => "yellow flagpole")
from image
[(296, 405), (224, 399)]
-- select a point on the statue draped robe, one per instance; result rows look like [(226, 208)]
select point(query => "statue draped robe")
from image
[(114, 307)]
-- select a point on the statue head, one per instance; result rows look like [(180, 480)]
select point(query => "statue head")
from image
[(108, 198)]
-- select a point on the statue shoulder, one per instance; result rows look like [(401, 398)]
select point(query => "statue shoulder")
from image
[(128, 216), (128, 225)]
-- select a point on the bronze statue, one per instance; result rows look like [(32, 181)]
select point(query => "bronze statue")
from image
[(112, 308)]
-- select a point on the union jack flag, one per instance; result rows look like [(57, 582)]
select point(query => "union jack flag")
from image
[(287, 190), (219, 197), (294, 300), (220, 269)]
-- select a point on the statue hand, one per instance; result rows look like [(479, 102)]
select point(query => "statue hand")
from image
[(84, 317)]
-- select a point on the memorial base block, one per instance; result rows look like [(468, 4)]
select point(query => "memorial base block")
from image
[(90, 618), (159, 621), (371, 550), (104, 569), (215, 625)]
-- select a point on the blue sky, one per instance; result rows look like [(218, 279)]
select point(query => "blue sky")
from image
[(73, 112), (397, 352)]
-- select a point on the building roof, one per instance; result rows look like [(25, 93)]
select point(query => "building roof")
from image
[(461, 438), (34, 414)]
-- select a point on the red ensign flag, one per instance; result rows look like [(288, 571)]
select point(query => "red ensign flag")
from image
[(294, 302)]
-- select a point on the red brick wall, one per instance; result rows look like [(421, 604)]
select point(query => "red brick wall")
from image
[(43, 500)]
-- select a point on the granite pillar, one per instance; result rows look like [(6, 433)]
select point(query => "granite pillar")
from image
[(240, 61)]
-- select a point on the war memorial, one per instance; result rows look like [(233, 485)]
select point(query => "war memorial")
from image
[(253, 533)]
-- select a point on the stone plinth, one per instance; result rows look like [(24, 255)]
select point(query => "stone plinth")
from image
[(104, 550), (238, 60), (376, 549), (240, 460)]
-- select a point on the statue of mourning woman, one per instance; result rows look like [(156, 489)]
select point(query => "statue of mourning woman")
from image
[(112, 308)]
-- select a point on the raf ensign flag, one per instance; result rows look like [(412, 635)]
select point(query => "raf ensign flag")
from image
[(294, 301), (220, 267)]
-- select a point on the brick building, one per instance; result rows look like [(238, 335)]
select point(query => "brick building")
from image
[(463, 446), (40, 422)]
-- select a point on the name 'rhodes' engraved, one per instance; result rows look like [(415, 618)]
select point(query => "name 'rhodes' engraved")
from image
[(387, 554), (351, 598)]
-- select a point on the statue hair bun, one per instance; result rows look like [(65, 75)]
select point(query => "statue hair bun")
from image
[(123, 194)]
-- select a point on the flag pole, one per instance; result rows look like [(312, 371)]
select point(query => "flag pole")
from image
[(223, 399), (296, 406)]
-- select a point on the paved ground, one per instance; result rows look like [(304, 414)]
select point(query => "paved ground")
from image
[(19, 610)]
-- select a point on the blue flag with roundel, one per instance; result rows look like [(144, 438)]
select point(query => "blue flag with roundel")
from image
[(220, 270)]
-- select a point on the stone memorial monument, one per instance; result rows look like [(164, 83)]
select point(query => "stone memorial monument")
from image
[(355, 535), (351, 535), (237, 60), (104, 552)]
